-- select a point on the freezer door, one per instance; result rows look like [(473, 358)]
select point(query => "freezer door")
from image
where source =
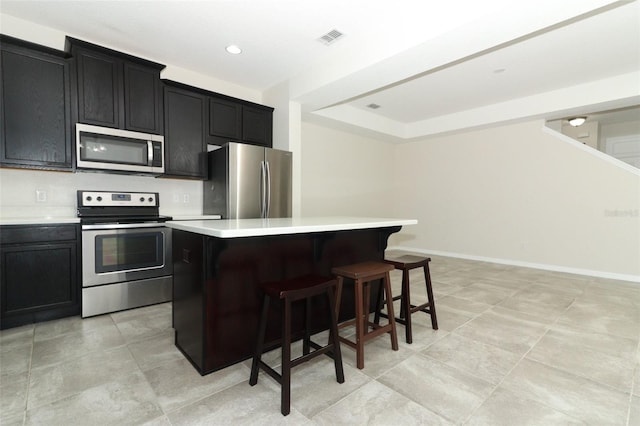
[(245, 187), (279, 172)]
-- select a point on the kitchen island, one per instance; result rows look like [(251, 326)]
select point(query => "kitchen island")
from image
[(219, 264)]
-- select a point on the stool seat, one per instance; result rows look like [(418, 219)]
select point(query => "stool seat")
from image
[(289, 291), (362, 270), (405, 263), (363, 274), (298, 287)]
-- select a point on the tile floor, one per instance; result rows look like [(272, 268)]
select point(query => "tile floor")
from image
[(516, 346)]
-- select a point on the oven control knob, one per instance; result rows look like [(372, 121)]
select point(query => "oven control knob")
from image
[(89, 198), (151, 199), (141, 199), (99, 198)]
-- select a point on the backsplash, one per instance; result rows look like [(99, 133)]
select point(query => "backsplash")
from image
[(34, 193)]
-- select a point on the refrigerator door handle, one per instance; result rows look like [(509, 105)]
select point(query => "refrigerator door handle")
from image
[(263, 189), (268, 207)]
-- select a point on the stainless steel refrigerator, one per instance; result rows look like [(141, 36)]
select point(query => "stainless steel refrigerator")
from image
[(248, 181)]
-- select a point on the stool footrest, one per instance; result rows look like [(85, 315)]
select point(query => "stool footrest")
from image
[(377, 330), (414, 308)]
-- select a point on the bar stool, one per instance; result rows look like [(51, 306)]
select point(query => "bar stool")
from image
[(362, 274), (289, 291), (405, 263)]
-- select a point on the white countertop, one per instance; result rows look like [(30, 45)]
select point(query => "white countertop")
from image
[(195, 217), (233, 228), (49, 220), (43, 220)]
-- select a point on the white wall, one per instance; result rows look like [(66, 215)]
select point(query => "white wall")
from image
[(518, 194), (588, 133), (18, 192), (345, 174)]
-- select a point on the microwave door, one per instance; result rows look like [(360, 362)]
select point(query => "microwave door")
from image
[(110, 149), (115, 149)]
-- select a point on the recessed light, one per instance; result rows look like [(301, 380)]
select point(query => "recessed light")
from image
[(373, 106), (233, 49), (577, 121)]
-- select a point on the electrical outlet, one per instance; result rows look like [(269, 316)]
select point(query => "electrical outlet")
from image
[(185, 198), (176, 198), (41, 196)]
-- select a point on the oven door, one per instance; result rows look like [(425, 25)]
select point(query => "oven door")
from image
[(113, 253)]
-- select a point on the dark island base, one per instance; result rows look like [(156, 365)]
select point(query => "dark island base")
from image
[(216, 298)]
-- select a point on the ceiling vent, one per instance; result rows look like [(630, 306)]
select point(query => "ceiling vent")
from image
[(373, 106), (331, 37)]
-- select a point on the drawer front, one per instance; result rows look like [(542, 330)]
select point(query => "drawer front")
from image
[(17, 234)]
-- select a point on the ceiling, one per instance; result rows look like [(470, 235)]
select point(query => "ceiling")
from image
[(432, 66)]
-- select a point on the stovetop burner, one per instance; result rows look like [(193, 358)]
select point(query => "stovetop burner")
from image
[(124, 219), (119, 207)]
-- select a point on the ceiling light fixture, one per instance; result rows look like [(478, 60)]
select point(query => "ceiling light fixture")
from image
[(233, 49), (577, 121)]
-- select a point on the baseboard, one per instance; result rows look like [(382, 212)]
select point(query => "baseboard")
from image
[(555, 268)]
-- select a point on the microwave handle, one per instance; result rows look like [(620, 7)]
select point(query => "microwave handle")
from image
[(149, 153)]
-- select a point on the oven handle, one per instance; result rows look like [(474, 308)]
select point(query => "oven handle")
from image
[(121, 226)]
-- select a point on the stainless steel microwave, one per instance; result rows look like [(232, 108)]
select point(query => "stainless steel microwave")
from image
[(104, 148)]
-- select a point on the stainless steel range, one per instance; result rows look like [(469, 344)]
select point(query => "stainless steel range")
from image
[(126, 251)]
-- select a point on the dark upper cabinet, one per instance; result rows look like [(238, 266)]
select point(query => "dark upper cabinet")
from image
[(185, 115), (236, 120), (98, 78), (117, 90), (225, 119), (143, 99), (30, 291), (257, 125), (34, 106)]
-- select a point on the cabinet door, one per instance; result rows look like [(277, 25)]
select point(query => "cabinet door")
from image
[(99, 82), (39, 282), (143, 99), (34, 109), (225, 119), (257, 126), (185, 145)]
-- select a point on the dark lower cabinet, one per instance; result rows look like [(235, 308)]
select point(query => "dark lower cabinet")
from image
[(185, 114), (39, 273), (34, 107)]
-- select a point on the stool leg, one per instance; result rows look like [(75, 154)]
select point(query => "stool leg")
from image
[(359, 324), (262, 328), (285, 401), (338, 297), (432, 305), (365, 310), (333, 337), (307, 320), (379, 303), (392, 320), (405, 308)]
